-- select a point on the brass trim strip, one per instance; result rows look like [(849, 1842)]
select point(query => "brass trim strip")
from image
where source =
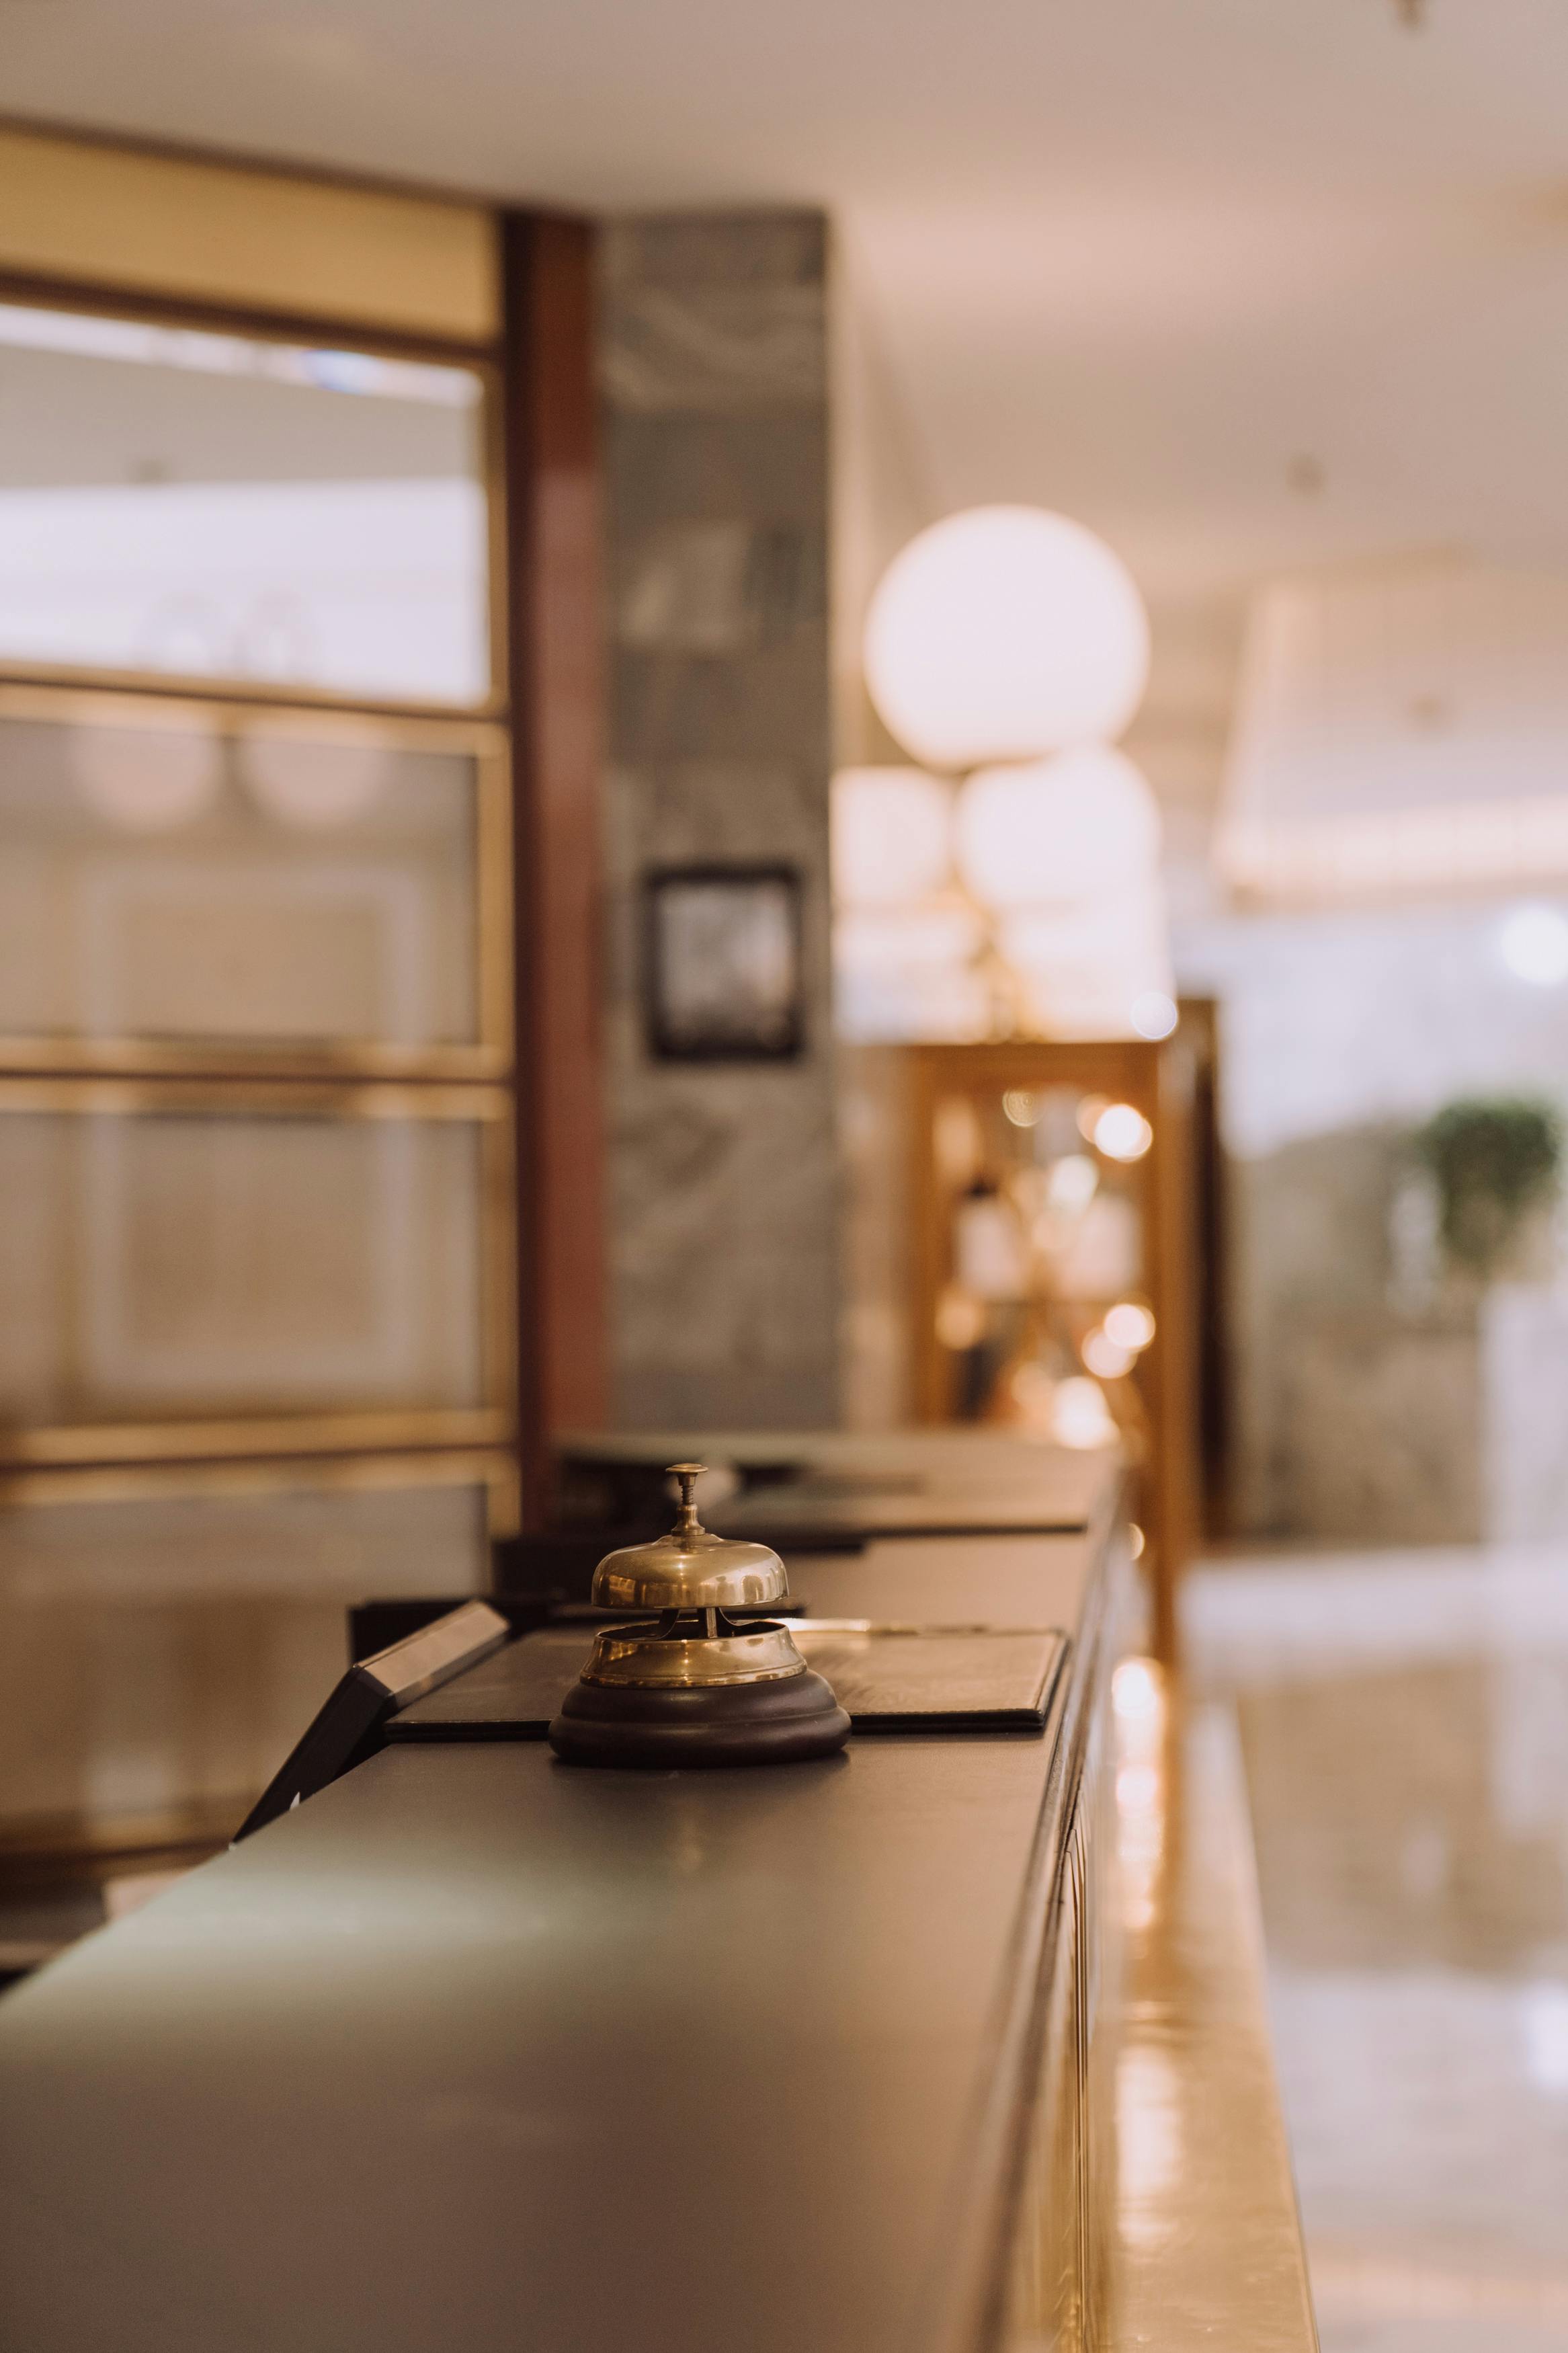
[(130, 1482), (159, 1058), (261, 1435), (240, 1097), (147, 699), (254, 694)]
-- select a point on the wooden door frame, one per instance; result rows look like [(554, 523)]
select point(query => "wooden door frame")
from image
[(1157, 1079), (555, 680)]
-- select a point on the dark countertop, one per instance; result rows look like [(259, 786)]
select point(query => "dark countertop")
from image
[(475, 2050)]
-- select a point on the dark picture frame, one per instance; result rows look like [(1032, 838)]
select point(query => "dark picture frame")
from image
[(723, 966)]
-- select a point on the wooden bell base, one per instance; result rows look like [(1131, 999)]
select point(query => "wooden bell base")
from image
[(773, 1722)]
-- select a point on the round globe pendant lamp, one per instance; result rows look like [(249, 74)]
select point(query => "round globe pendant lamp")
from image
[(891, 835), (1003, 633), (1082, 825)]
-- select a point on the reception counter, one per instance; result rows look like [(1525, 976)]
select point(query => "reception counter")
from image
[(476, 2051)]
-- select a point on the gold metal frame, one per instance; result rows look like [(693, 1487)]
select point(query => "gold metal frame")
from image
[(315, 1435), (100, 301), (143, 1482), (339, 1079), (488, 1056)]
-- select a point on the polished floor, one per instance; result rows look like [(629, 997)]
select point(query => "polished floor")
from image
[(1403, 1719)]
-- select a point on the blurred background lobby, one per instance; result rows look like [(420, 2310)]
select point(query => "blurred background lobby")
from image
[(840, 737)]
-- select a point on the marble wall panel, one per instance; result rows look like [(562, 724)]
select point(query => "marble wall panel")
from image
[(1379, 1435), (1523, 1345), (723, 1194), (1446, 1410)]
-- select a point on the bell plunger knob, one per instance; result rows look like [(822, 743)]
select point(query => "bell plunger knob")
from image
[(688, 1473)]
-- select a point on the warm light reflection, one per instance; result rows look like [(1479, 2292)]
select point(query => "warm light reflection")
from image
[(1105, 1356), (957, 1145), (1021, 1107), (1130, 1325), (1148, 2141), (960, 1318), (1137, 1691), (1148, 2089), (1139, 1706), (1079, 1416), (1121, 1132), (1072, 1184)]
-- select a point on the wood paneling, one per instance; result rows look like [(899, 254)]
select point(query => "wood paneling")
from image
[(555, 671)]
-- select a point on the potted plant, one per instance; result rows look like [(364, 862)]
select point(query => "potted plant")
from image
[(1495, 1166)]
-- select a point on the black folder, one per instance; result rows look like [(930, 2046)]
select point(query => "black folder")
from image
[(888, 1678)]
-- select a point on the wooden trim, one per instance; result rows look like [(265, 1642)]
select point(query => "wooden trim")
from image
[(1172, 1361), (555, 671)]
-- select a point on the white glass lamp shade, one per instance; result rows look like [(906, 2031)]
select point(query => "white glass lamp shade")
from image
[(891, 835), (1003, 633), (907, 973), (1091, 970), (1080, 825)]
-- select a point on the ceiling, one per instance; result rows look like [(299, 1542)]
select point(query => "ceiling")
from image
[(1246, 284)]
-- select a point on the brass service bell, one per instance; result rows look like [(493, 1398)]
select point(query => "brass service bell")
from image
[(694, 1685)]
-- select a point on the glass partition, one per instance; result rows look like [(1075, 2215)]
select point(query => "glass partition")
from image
[(167, 1262), (166, 1637), (184, 875), (185, 502)]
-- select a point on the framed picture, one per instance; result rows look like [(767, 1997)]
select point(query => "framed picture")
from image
[(722, 977)]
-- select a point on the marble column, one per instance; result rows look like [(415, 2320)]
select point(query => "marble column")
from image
[(722, 1180)]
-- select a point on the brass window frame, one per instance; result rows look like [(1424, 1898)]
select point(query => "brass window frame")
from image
[(487, 1468), (256, 289), (488, 1056), (392, 1433), (98, 301)]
